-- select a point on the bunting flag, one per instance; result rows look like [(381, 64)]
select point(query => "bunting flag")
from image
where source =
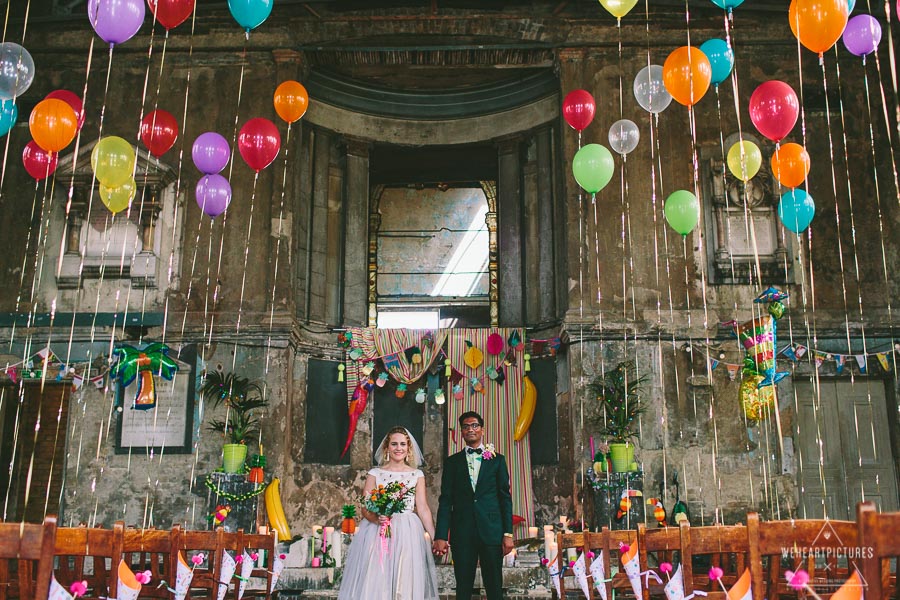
[(861, 362), (819, 357), (790, 352), (839, 366), (580, 572), (499, 406), (800, 351), (732, 371), (883, 361), (713, 363)]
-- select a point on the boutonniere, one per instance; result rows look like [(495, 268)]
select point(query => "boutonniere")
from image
[(488, 452)]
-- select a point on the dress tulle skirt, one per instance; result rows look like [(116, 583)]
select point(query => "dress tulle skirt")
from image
[(405, 572)]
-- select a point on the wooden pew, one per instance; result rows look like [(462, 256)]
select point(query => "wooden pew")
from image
[(26, 559), (74, 545)]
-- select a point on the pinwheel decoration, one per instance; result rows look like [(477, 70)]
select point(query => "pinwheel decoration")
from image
[(142, 364)]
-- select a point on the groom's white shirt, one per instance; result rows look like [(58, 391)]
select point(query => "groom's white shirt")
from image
[(474, 461)]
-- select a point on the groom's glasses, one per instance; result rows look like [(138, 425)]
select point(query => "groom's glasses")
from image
[(472, 426)]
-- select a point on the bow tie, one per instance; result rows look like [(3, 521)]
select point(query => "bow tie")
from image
[(473, 450)]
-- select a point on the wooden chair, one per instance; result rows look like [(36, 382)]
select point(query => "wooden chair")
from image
[(206, 575), (26, 559), (606, 545), (264, 544), (564, 541), (776, 546), (75, 545), (151, 550), (662, 545), (879, 541), (234, 543), (723, 546)]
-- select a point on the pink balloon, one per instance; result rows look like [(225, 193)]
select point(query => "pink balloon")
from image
[(259, 143), (774, 109), (38, 162), (578, 109)]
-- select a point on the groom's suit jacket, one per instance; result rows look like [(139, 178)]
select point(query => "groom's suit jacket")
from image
[(467, 514)]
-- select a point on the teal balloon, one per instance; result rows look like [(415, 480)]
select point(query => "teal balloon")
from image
[(8, 115), (682, 211), (593, 167), (851, 4), (727, 4), (721, 59), (250, 13), (796, 210)]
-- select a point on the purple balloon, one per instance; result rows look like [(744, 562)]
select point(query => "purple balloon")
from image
[(116, 21), (210, 152), (862, 35), (213, 194)]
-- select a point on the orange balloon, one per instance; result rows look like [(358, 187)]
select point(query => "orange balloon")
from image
[(790, 165), (291, 101), (686, 75), (53, 124), (818, 24)]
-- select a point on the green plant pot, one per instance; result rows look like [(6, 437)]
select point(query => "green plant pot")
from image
[(234, 455), (622, 456)]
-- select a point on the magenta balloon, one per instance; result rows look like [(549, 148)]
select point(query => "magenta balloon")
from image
[(116, 21), (210, 152), (213, 193), (862, 35), (774, 109), (259, 143)]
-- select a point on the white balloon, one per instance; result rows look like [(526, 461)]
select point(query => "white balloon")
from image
[(16, 70), (649, 90), (624, 136)]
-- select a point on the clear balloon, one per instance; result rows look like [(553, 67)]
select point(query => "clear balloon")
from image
[(291, 101), (618, 8), (118, 198), (112, 160), (744, 160), (210, 152), (38, 162), (687, 74), (53, 124), (818, 24), (578, 109), (159, 130), (649, 90), (73, 100), (259, 143), (624, 136), (721, 59), (9, 113), (790, 164), (862, 35), (796, 210), (682, 210), (593, 167), (250, 14), (171, 13), (116, 21), (16, 70), (774, 109), (213, 193)]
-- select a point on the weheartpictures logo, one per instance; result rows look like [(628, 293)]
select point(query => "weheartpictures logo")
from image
[(829, 550)]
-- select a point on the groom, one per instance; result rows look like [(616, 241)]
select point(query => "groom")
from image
[(476, 510)]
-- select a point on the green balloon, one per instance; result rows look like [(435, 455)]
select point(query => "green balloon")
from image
[(593, 167), (682, 211), (113, 161)]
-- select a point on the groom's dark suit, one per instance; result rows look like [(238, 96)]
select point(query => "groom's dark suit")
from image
[(476, 521)]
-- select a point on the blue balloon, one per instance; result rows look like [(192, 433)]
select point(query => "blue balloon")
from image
[(8, 115), (727, 4), (796, 210), (851, 4), (721, 59), (250, 13)]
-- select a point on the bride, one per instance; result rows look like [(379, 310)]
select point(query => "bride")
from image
[(406, 571)]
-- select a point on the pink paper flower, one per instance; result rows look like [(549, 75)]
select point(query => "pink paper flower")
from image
[(254, 556), (238, 559), (545, 562), (797, 580), (590, 554), (282, 556), (198, 559), (715, 574), (665, 567), (623, 547), (143, 578), (78, 588), (571, 563)]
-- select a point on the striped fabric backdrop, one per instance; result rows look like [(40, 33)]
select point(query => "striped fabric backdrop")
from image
[(499, 405)]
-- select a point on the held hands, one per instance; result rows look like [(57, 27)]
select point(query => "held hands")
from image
[(508, 545), (439, 547)]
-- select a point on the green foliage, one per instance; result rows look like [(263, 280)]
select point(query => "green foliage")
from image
[(242, 399), (620, 392)]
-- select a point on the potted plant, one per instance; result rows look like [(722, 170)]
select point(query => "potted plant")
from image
[(242, 399), (620, 392)]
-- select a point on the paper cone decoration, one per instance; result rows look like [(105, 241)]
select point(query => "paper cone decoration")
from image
[(246, 568), (581, 575), (633, 569), (183, 578), (129, 588), (674, 588), (597, 572), (277, 568), (851, 590), (555, 574), (741, 589), (57, 591), (225, 574)]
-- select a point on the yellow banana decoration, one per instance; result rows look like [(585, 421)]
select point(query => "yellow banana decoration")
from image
[(526, 410), (275, 511)]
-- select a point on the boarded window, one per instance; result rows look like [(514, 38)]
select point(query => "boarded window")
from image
[(544, 430), (327, 420)]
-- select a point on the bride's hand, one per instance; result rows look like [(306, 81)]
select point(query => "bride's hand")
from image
[(382, 519)]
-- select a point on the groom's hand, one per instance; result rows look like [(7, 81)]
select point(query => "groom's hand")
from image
[(440, 547), (508, 545)]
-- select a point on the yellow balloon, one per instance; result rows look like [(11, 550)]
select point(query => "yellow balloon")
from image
[(118, 198), (618, 8), (113, 161), (744, 165)]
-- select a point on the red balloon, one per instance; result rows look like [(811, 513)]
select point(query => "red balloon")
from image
[(73, 100), (259, 143), (38, 162), (774, 109), (171, 13), (578, 109), (159, 130)]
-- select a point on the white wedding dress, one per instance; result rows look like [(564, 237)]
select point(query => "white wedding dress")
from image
[(406, 570)]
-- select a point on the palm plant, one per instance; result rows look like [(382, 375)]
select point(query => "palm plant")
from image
[(242, 398), (620, 391)]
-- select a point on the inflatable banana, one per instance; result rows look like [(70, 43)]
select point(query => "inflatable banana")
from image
[(275, 511), (526, 410)]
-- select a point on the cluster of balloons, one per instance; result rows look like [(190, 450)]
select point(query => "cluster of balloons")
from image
[(53, 123), (211, 154), (113, 161), (593, 165)]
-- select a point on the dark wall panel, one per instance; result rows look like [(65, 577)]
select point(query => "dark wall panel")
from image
[(326, 414), (544, 430)]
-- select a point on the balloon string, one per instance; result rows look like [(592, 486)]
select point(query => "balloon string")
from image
[(247, 253), (287, 143), (892, 63)]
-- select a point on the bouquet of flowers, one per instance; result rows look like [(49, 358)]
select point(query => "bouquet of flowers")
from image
[(388, 500)]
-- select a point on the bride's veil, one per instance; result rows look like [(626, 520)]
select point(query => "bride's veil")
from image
[(416, 458)]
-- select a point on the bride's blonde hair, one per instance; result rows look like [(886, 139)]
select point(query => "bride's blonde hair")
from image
[(413, 453)]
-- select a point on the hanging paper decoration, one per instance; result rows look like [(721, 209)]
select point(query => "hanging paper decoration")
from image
[(183, 578), (579, 569), (341, 368), (247, 564), (473, 356), (458, 393), (598, 572), (427, 340), (226, 571), (345, 338), (133, 363), (477, 385), (439, 397), (757, 402), (382, 379), (129, 588), (759, 337), (494, 344), (420, 395), (414, 355), (401, 390), (527, 358), (357, 406), (448, 370), (367, 369), (632, 567), (515, 341)]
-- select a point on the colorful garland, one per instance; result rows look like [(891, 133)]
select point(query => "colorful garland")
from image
[(233, 497)]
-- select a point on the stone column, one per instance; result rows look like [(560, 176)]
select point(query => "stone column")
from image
[(509, 209), (548, 230), (356, 239)]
